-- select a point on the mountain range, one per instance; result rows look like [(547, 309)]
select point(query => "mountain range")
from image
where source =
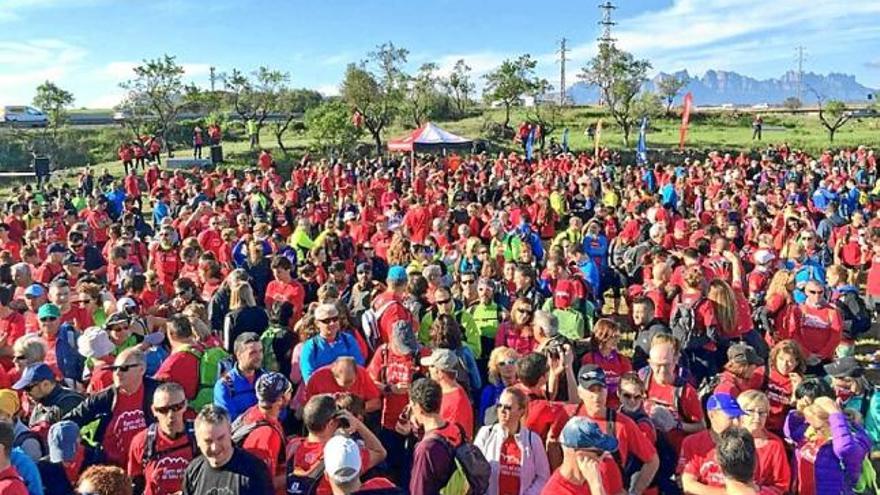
[(717, 87)]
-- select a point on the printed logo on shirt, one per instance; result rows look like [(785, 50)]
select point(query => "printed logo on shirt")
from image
[(814, 321), (711, 474)]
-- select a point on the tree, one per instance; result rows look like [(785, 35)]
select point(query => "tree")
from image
[(833, 116), (459, 86), (792, 103), (619, 77), (511, 81), (547, 114), (669, 86), (329, 124), (376, 88), (157, 91), (292, 103), (53, 101), (422, 93), (256, 96)]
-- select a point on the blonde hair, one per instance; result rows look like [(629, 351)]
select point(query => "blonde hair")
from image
[(722, 295), (750, 398), (779, 284), (499, 354), (241, 296)]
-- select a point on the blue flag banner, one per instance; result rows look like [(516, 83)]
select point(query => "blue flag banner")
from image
[(642, 146), (530, 142), (565, 140)]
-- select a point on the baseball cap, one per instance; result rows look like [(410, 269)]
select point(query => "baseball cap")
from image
[(117, 319), (48, 310), (94, 343), (724, 403), (63, 439), (363, 268), (34, 373), (763, 257), (442, 359), (583, 433), (743, 354), (9, 402), (403, 338), (590, 375), (271, 386), (35, 290), (325, 311), (342, 459), (56, 247), (397, 273), (844, 367), (125, 303), (562, 296)]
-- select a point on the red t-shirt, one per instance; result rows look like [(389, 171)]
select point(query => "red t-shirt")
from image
[(779, 390), (543, 414), (164, 474), (629, 436), (308, 453), (292, 292), (821, 330), (323, 382), (698, 459), (689, 404), (181, 367), (127, 421), (773, 470), (456, 408), (615, 366), (11, 483), (395, 369), (611, 481), (509, 465), (265, 442)]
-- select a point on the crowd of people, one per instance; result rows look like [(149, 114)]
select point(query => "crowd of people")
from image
[(571, 324)]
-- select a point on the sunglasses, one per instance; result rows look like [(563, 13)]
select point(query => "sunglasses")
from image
[(629, 396), (508, 362), (123, 368), (524, 311), (443, 301), (815, 292), (467, 282), (328, 321), (19, 358), (180, 406), (483, 252), (48, 319), (368, 248)]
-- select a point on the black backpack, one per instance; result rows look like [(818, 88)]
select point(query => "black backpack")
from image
[(26, 435), (241, 430), (150, 452), (854, 311), (470, 459), (301, 482), (683, 324)]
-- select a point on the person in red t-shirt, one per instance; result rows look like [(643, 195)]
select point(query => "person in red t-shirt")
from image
[(456, 407), (345, 376), (285, 287), (787, 366), (741, 372), (183, 364), (697, 464), (259, 427), (585, 449), (322, 419), (773, 471), (822, 326), (10, 481), (159, 455)]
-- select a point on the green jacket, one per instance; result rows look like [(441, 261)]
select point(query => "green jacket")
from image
[(487, 317), (470, 332)]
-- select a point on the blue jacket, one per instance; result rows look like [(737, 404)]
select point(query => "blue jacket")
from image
[(70, 362), (160, 211), (28, 471), (317, 352), (597, 248), (235, 393)]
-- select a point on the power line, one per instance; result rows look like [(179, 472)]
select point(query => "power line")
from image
[(563, 51)]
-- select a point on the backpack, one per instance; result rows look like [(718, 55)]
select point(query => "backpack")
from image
[(370, 324), (241, 430), (763, 320), (26, 435), (299, 481), (213, 364), (470, 461), (854, 311), (683, 324), (269, 340), (151, 454), (633, 464)]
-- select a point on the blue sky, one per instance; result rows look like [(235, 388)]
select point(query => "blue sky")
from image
[(89, 46)]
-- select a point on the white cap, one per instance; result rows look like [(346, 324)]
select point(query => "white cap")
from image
[(94, 343), (763, 257), (342, 459), (125, 303)]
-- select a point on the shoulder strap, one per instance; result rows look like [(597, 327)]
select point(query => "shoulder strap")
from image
[(150, 443), (610, 418)]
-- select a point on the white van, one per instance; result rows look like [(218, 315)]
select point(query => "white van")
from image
[(24, 115)]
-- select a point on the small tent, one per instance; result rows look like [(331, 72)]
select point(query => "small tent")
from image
[(429, 137)]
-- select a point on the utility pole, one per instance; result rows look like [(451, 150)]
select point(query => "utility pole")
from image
[(563, 51), (800, 72), (606, 41), (213, 77)]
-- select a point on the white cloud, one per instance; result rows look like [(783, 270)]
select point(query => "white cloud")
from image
[(328, 89), (26, 64)]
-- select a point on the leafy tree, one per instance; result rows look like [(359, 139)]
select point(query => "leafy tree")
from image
[(619, 77), (459, 87), (53, 101), (257, 96), (669, 86), (792, 103), (422, 94), (511, 81), (292, 103), (329, 125), (376, 88), (833, 115), (156, 92)]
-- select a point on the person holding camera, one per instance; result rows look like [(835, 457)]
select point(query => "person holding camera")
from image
[(323, 419)]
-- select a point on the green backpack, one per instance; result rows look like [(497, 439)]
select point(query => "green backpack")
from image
[(213, 363), (267, 339), (867, 482)]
